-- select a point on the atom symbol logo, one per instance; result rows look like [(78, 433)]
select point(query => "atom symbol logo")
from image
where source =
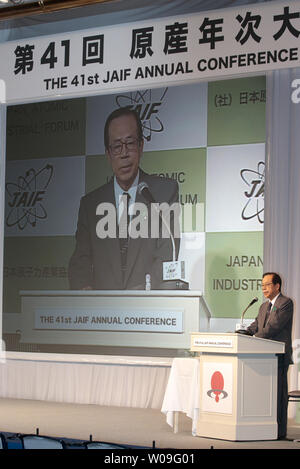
[(217, 387), (26, 197), (147, 107), (255, 180)]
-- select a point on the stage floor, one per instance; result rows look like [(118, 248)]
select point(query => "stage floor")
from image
[(125, 425)]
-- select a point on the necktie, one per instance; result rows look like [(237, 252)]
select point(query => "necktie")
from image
[(123, 232), (268, 313)]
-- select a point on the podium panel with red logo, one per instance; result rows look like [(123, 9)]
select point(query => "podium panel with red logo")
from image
[(238, 386)]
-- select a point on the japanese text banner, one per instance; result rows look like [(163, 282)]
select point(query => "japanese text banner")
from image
[(217, 43)]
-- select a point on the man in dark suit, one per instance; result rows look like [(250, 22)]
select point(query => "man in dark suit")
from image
[(108, 263), (274, 321)]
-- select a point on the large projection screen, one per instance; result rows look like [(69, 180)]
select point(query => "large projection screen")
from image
[(209, 137), (198, 84)]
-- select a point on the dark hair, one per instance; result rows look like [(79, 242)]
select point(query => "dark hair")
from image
[(122, 111), (275, 278)]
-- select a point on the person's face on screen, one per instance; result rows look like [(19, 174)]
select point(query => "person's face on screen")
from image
[(270, 290), (125, 149)]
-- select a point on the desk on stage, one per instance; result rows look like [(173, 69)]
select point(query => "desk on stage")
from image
[(182, 392)]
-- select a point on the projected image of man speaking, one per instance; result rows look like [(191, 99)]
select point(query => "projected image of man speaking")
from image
[(116, 245)]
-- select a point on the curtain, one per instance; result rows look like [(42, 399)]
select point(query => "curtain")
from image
[(282, 193)]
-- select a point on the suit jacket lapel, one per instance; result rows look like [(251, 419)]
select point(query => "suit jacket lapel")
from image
[(276, 305), (272, 309)]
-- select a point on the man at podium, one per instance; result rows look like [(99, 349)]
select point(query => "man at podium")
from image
[(274, 321), (115, 260)]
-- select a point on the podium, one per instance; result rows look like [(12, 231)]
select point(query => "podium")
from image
[(238, 386)]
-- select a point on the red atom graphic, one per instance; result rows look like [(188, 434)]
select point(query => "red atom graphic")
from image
[(217, 386)]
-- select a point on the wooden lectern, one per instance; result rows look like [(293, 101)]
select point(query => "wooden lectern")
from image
[(238, 386)]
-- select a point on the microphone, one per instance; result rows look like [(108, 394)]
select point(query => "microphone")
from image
[(143, 189), (242, 330), (250, 304)]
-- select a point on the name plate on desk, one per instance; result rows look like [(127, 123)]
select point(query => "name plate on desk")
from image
[(214, 341), (106, 319)]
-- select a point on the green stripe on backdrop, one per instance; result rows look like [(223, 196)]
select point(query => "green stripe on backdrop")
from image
[(236, 111)]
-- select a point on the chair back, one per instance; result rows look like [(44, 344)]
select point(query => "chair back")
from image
[(41, 442)]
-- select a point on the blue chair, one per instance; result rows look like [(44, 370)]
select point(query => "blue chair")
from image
[(3, 443), (41, 442), (101, 445), (294, 396)]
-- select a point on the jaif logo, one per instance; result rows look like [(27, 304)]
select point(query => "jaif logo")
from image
[(25, 197), (147, 105), (217, 387), (255, 181)]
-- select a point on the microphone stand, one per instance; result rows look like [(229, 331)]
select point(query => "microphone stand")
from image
[(172, 284), (242, 330)]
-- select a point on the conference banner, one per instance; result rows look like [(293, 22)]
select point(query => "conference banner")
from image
[(147, 54)]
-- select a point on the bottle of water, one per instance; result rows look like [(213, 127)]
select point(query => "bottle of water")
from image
[(148, 282)]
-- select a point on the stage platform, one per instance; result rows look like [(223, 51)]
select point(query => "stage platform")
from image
[(132, 426), (116, 399)]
